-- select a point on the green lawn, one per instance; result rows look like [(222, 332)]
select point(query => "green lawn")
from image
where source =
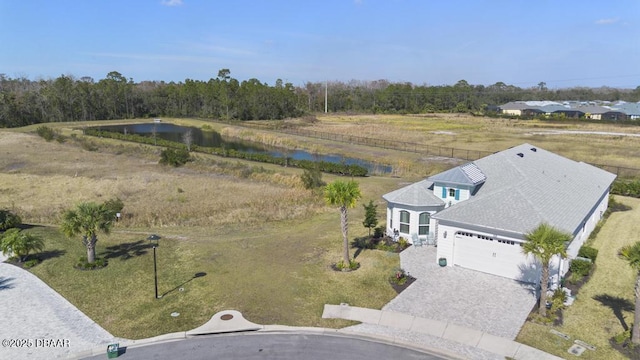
[(589, 319), (275, 273)]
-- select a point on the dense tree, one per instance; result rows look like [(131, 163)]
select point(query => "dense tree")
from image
[(344, 194), (543, 243), (87, 219), (631, 253), (66, 98)]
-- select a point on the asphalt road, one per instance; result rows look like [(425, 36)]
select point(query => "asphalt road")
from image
[(248, 346)]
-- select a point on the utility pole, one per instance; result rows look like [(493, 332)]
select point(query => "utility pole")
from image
[(326, 87)]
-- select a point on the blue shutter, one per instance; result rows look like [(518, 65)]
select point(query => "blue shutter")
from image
[(457, 194), (444, 192)]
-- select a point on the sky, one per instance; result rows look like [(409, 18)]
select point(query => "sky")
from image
[(426, 42)]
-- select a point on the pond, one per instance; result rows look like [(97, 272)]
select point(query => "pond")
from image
[(210, 138)]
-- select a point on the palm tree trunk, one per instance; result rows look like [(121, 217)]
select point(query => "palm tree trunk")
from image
[(635, 332), (91, 249), (544, 282), (345, 236)]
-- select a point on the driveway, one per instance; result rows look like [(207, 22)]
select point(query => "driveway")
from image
[(484, 302), (44, 323)]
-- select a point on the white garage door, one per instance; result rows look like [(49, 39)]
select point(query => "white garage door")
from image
[(493, 257)]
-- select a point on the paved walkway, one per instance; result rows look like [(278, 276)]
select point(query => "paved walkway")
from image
[(32, 311)]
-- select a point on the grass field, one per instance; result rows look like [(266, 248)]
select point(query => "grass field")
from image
[(590, 319), (264, 242)]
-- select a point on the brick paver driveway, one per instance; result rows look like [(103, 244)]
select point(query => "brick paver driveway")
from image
[(465, 297)]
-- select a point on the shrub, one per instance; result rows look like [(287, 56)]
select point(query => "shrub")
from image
[(588, 252), (398, 277), (403, 243), (46, 133), (620, 338), (9, 220), (82, 263), (174, 157), (378, 232), (31, 263), (559, 297), (311, 179), (580, 267), (114, 205), (353, 265)]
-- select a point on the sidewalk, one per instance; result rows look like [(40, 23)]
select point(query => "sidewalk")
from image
[(443, 330), (50, 326)]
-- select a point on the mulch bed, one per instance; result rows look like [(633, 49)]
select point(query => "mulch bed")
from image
[(626, 349), (400, 288)]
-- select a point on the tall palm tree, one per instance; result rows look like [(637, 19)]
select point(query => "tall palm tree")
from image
[(631, 253), (345, 194), (87, 219), (544, 242), (20, 243)]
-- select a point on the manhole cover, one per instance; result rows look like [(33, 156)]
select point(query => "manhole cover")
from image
[(175, 314), (226, 317)]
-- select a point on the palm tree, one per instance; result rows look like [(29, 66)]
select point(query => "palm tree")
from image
[(544, 242), (631, 253), (20, 243), (87, 219), (345, 194)]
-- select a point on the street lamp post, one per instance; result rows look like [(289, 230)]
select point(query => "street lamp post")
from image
[(154, 242)]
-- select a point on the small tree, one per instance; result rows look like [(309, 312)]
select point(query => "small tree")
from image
[(631, 253), (9, 220), (114, 206), (311, 178), (20, 243), (345, 194), (370, 216), (87, 219), (187, 138), (544, 242)]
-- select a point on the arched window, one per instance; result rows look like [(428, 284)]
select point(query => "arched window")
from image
[(423, 225), (404, 221)]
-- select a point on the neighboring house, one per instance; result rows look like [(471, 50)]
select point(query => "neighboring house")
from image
[(478, 213), (631, 110)]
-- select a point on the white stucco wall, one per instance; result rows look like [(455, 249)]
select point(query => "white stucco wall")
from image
[(393, 219)]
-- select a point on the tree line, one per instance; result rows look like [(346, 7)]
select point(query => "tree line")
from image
[(66, 98)]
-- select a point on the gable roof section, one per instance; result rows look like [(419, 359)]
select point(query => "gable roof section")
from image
[(468, 174), (522, 191), (416, 194)]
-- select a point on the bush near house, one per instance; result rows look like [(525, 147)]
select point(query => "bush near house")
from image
[(588, 252), (580, 268), (626, 188)]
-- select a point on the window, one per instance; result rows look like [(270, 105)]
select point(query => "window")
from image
[(452, 192), (423, 226), (404, 221)]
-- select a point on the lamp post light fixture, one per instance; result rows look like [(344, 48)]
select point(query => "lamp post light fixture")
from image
[(154, 242)]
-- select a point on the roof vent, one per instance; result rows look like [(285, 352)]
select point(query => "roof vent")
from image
[(520, 154), (534, 149)]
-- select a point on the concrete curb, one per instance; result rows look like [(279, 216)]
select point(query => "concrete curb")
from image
[(448, 331)]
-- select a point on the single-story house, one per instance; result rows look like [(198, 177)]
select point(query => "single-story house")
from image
[(479, 213)]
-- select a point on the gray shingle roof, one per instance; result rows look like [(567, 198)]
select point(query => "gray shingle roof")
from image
[(468, 174), (522, 191), (416, 194)]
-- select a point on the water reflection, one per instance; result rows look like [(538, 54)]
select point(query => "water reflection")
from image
[(210, 138)]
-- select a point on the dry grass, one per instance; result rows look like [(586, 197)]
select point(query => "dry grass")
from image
[(265, 244), (588, 319)]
